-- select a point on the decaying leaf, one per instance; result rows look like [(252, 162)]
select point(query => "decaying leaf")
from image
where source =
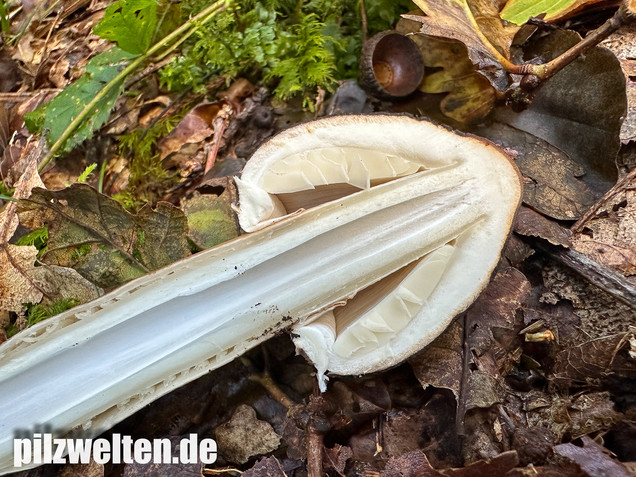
[(269, 467), (579, 110), (553, 186), (244, 436), (520, 11), (210, 220), (592, 458), (470, 96), (533, 224), (440, 364), (589, 361), (610, 238), (194, 127), (95, 235), (478, 26), (22, 281)]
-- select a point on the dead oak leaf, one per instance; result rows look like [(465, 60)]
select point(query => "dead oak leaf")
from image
[(477, 25)]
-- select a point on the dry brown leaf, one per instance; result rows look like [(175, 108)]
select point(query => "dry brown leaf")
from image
[(592, 458), (610, 239), (477, 25), (16, 262), (244, 436), (195, 127), (531, 223)]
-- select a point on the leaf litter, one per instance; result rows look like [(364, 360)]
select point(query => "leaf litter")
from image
[(480, 396)]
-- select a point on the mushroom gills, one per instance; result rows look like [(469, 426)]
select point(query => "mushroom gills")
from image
[(378, 313), (354, 166)]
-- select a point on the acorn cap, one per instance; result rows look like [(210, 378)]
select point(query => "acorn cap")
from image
[(391, 65)]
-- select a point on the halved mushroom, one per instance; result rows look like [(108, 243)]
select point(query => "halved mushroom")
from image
[(406, 224), (469, 187)]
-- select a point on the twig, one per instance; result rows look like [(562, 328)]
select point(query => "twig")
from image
[(545, 71), (265, 380)]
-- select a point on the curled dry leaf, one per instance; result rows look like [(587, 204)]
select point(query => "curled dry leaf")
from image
[(195, 127), (477, 25)]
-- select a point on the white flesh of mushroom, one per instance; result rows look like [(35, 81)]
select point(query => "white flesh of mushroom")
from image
[(381, 272), (388, 319)]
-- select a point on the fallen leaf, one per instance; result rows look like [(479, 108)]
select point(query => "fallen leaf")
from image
[(477, 25), (156, 469), (470, 96), (553, 186), (579, 110), (411, 464), (93, 234), (440, 363), (210, 220), (592, 458), (17, 287), (520, 11), (497, 465), (195, 127), (245, 436), (589, 361), (610, 238), (532, 224), (22, 281), (268, 467), (570, 416)]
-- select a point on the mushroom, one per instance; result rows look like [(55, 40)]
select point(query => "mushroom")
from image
[(469, 187), (368, 235)]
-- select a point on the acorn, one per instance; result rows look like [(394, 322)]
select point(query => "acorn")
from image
[(391, 65)]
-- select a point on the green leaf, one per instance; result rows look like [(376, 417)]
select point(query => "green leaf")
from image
[(131, 23), (519, 11), (93, 234), (61, 111)]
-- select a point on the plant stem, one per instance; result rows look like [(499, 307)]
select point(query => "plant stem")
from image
[(547, 70), (203, 17)]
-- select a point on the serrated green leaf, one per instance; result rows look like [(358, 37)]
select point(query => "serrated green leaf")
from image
[(61, 111), (130, 23)]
